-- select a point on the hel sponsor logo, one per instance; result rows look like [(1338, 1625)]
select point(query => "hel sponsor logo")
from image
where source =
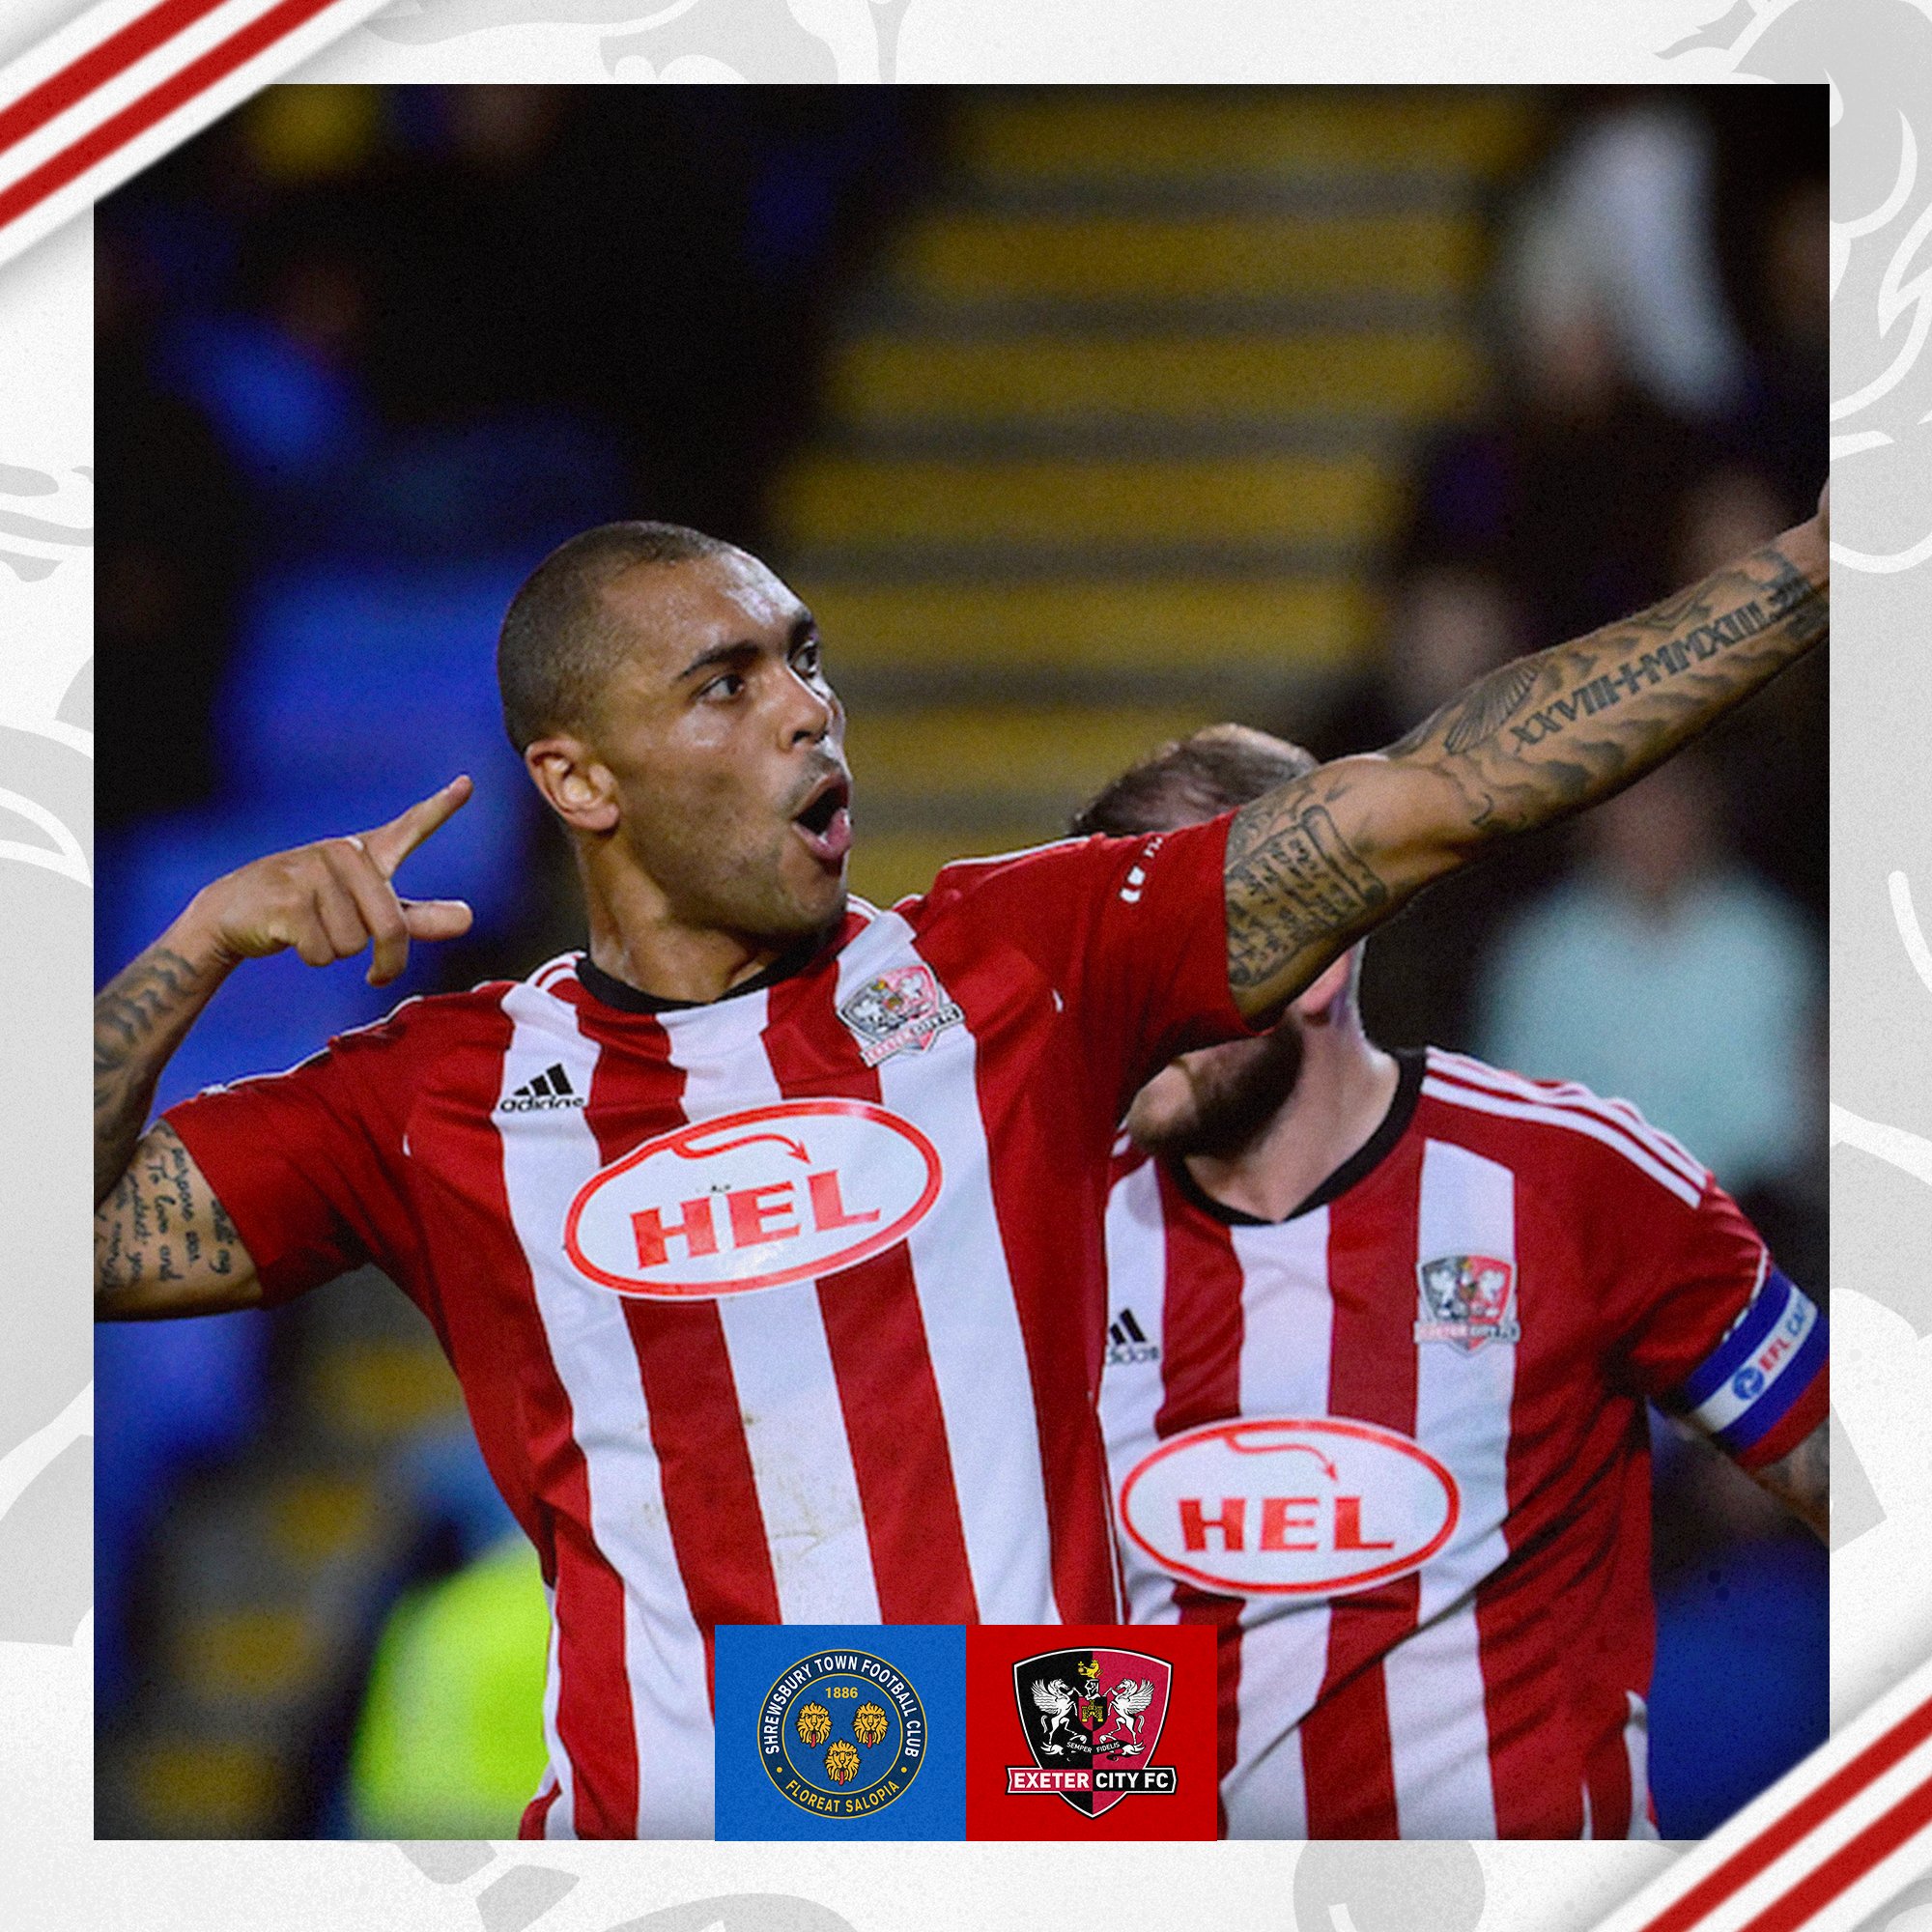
[(841, 1733), (782, 1193), (902, 1010), (1089, 1715), (1466, 1300), (1291, 1507)]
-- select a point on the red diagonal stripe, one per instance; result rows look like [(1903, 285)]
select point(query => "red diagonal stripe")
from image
[(97, 65), (157, 105), (1805, 1816), (1849, 1863)]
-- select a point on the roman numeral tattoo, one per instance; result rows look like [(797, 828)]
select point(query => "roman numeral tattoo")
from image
[(1315, 865)]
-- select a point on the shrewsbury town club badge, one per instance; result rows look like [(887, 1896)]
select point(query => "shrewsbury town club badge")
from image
[(841, 1733)]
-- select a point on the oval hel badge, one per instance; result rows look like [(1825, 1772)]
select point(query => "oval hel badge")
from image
[(753, 1200), (1288, 1506)]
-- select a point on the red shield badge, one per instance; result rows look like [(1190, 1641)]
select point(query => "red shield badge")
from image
[(1466, 1300), (1093, 1719)]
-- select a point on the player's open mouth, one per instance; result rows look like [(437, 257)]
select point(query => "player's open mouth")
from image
[(826, 822)]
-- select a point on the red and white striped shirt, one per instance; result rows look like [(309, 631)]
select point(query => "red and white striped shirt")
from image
[(1394, 1448), (783, 1308)]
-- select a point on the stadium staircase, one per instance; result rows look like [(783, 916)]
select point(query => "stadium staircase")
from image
[(1113, 435), (267, 1578), (1110, 441)]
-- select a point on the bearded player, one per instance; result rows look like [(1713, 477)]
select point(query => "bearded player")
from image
[(1382, 1328), (764, 1236)]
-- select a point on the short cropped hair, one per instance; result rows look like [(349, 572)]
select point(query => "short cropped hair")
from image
[(559, 646), (1219, 769)]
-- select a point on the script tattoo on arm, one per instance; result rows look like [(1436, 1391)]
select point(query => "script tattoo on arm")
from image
[(139, 1019), (163, 1242), (1313, 866), (1292, 882)]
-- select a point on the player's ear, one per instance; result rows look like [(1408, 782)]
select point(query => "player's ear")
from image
[(579, 789)]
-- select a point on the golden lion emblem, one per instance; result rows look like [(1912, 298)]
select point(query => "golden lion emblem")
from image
[(814, 1724), (842, 1762), (869, 1725)]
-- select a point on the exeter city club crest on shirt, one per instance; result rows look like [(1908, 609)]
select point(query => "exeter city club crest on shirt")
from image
[(1468, 1300), (903, 1010)]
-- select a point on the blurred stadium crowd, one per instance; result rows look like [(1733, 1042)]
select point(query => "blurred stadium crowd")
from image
[(1081, 418)]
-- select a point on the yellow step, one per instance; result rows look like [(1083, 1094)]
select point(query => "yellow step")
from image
[(250, 1653), (373, 1389), (1059, 257), (1278, 500), (1096, 626), (317, 1516), (1193, 134), (882, 380), (1047, 752), (194, 1788)]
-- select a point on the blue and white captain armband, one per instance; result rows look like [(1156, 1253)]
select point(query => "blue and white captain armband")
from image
[(1762, 1389)]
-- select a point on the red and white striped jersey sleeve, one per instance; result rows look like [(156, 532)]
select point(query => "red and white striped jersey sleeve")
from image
[(1698, 1316), (1133, 932), (1711, 1329), (309, 1164)]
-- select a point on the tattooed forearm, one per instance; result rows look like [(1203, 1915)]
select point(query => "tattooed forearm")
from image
[(1480, 713), (1543, 736), (139, 1019), (1292, 881), (1316, 865), (1789, 599), (162, 1243)]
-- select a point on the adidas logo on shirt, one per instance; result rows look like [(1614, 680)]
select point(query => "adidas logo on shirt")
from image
[(1128, 1342), (550, 1088)]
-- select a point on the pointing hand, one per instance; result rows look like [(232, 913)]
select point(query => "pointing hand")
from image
[(331, 899)]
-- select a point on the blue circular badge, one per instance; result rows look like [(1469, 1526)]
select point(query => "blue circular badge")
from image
[(841, 1733), (1747, 1382)]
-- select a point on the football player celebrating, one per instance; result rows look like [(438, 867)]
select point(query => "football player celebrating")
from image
[(1381, 1331), (764, 1236)]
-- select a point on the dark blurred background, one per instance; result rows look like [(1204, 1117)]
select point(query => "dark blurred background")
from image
[(1082, 417)]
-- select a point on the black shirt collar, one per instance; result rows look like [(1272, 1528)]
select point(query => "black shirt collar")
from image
[(628, 999), (1411, 1064)]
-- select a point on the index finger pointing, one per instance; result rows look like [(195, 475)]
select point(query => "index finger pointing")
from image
[(388, 846)]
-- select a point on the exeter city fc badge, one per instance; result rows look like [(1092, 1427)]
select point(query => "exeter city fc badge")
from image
[(1092, 1719), (903, 1010), (1468, 1300)]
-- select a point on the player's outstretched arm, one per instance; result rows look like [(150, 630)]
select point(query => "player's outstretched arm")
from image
[(162, 1243), (1801, 1480), (1315, 865)]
